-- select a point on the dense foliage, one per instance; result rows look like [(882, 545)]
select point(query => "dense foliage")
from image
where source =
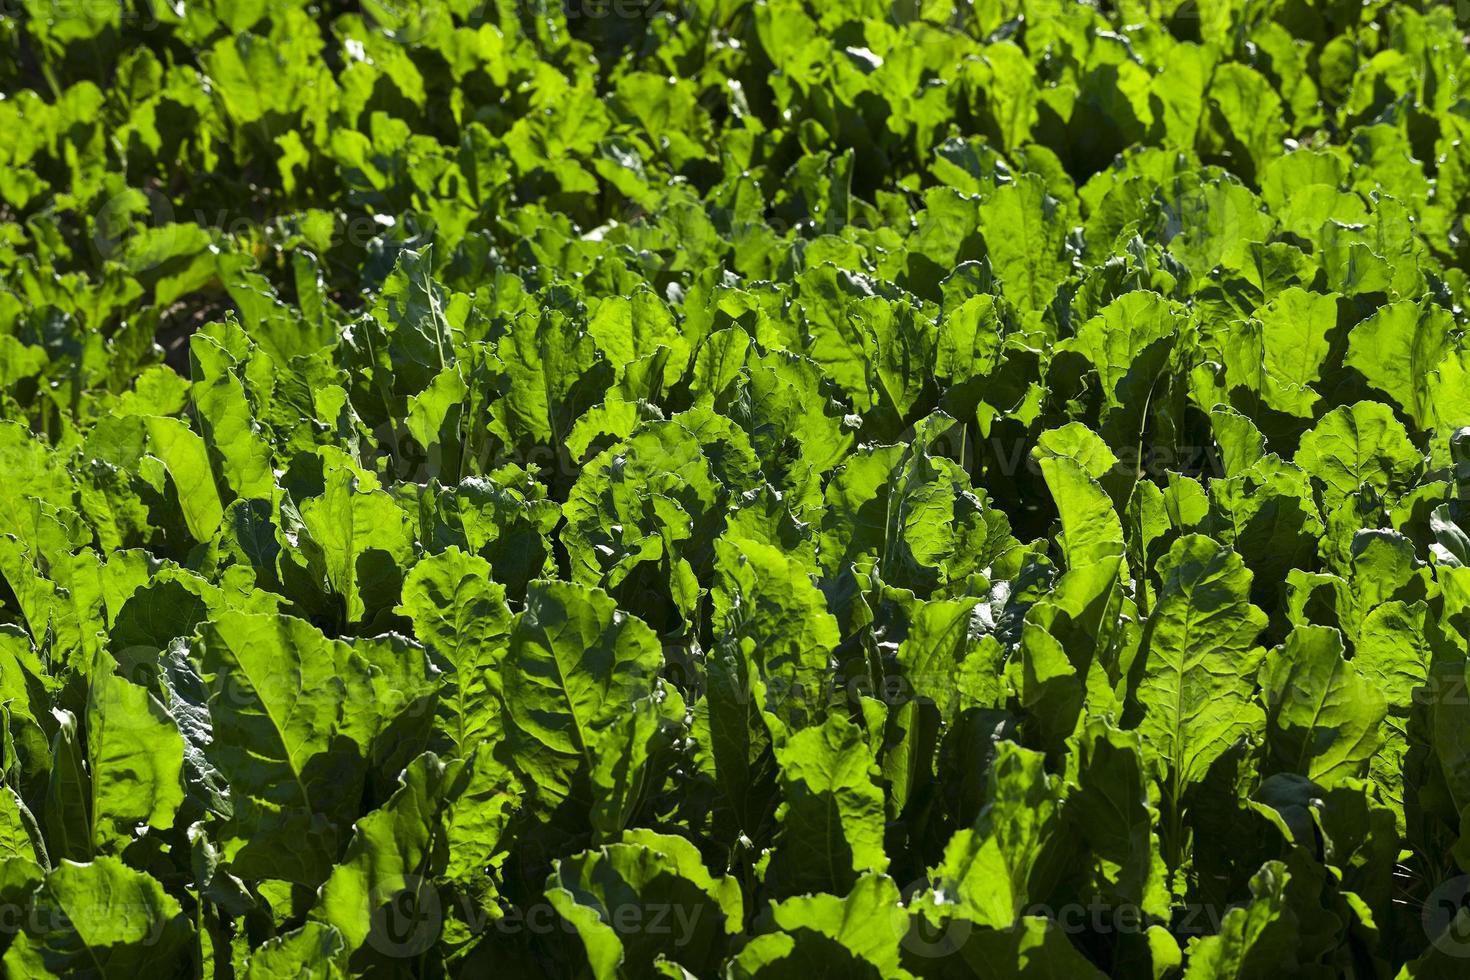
[(704, 488)]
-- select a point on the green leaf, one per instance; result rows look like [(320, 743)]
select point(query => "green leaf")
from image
[(20, 838), (718, 361), (135, 756), (1304, 188), (1392, 654), (646, 897), (1128, 344), (434, 418), (1322, 715), (912, 509), (1113, 810), (639, 499), (834, 336), (969, 339), (1241, 443), (1254, 939), (1198, 666), (411, 309), (789, 409), (459, 614), (903, 350), (1091, 530), (627, 328), (764, 601), (632, 758), (314, 950), (731, 721), (942, 636), (831, 818), (1281, 354), (1024, 229), (548, 362), (228, 424), (1210, 220), (1081, 445), (276, 703), (507, 520), (101, 919), (186, 458), (68, 793), (1069, 639), (574, 664), (477, 836), (1251, 110), (1359, 445), (1035, 947), (387, 873), (1009, 859), (356, 540), (1396, 350), (857, 934)]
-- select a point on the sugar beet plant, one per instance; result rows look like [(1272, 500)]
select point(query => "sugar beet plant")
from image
[(711, 488)]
